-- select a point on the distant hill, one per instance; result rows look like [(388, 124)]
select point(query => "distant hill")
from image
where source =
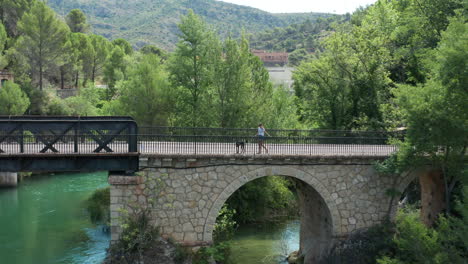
[(305, 35), (155, 21)]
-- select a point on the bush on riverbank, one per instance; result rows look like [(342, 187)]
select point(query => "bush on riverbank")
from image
[(218, 252), (140, 242), (98, 206), (415, 243), (362, 246)]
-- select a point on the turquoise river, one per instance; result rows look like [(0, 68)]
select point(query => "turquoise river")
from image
[(44, 221)]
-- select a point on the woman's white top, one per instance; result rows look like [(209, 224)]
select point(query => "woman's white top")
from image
[(261, 131)]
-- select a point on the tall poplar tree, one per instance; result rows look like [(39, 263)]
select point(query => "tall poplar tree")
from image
[(191, 70), (114, 70), (42, 41), (232, 86)]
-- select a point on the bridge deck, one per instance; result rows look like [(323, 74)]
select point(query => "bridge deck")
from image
[(31, 143), (202, 148)]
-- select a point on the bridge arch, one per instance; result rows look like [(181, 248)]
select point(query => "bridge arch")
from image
[(310, 179), (338, 194)]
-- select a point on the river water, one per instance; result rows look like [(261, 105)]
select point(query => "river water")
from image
[(268, 243), (43, 221)]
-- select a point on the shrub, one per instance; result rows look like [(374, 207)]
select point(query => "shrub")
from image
[(362, 246), (98, 206), (225, 225)]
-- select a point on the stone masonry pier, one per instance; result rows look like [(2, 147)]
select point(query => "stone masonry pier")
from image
[(184, 194)]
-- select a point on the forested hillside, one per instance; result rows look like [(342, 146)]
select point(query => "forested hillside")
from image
[(155, 21), (299, 40)]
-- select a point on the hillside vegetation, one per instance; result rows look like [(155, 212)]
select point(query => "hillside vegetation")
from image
[(155, 21)]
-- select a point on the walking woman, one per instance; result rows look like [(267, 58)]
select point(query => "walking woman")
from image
[(261, 138)]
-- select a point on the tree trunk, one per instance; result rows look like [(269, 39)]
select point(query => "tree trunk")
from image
[(93, 74), (77, 79), (62, 77), (432, 195), (40, 77)]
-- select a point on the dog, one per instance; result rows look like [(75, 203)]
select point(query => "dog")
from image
[(240, 145)]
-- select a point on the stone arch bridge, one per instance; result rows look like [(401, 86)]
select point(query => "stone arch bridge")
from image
[(338, 194), (185, 175)]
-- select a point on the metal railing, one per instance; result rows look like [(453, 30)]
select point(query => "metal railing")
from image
[(198, 141), (223, 141), (66, 144)]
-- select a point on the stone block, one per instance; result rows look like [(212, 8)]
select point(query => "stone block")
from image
[(187, 227), (124, 180)]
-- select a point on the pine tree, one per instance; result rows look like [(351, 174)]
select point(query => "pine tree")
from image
[(76, 20), (13, 101), (42, 41)]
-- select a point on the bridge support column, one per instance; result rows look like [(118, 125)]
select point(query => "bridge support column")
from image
[(123, 197), (432, 195), (8, 179), (316, 224)]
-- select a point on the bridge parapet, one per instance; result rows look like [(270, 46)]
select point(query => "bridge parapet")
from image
[(228, 141), (191, 161)]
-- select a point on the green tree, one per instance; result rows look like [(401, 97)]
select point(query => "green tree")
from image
[(124, 45), (261, 93), (413, 242), (232, 87), (147, 95), (42, 41), (283, 113), (420, 23), (344, 86), (152, 49), (114, 70), (416, 243), (297, 56), (13, 101), (83, 58), (81, 106), (436, 113), (3, 39), (71, 61), (57, 106), (191, 70), (243, 94), (101, 48), (10, 13), (76, 20)]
